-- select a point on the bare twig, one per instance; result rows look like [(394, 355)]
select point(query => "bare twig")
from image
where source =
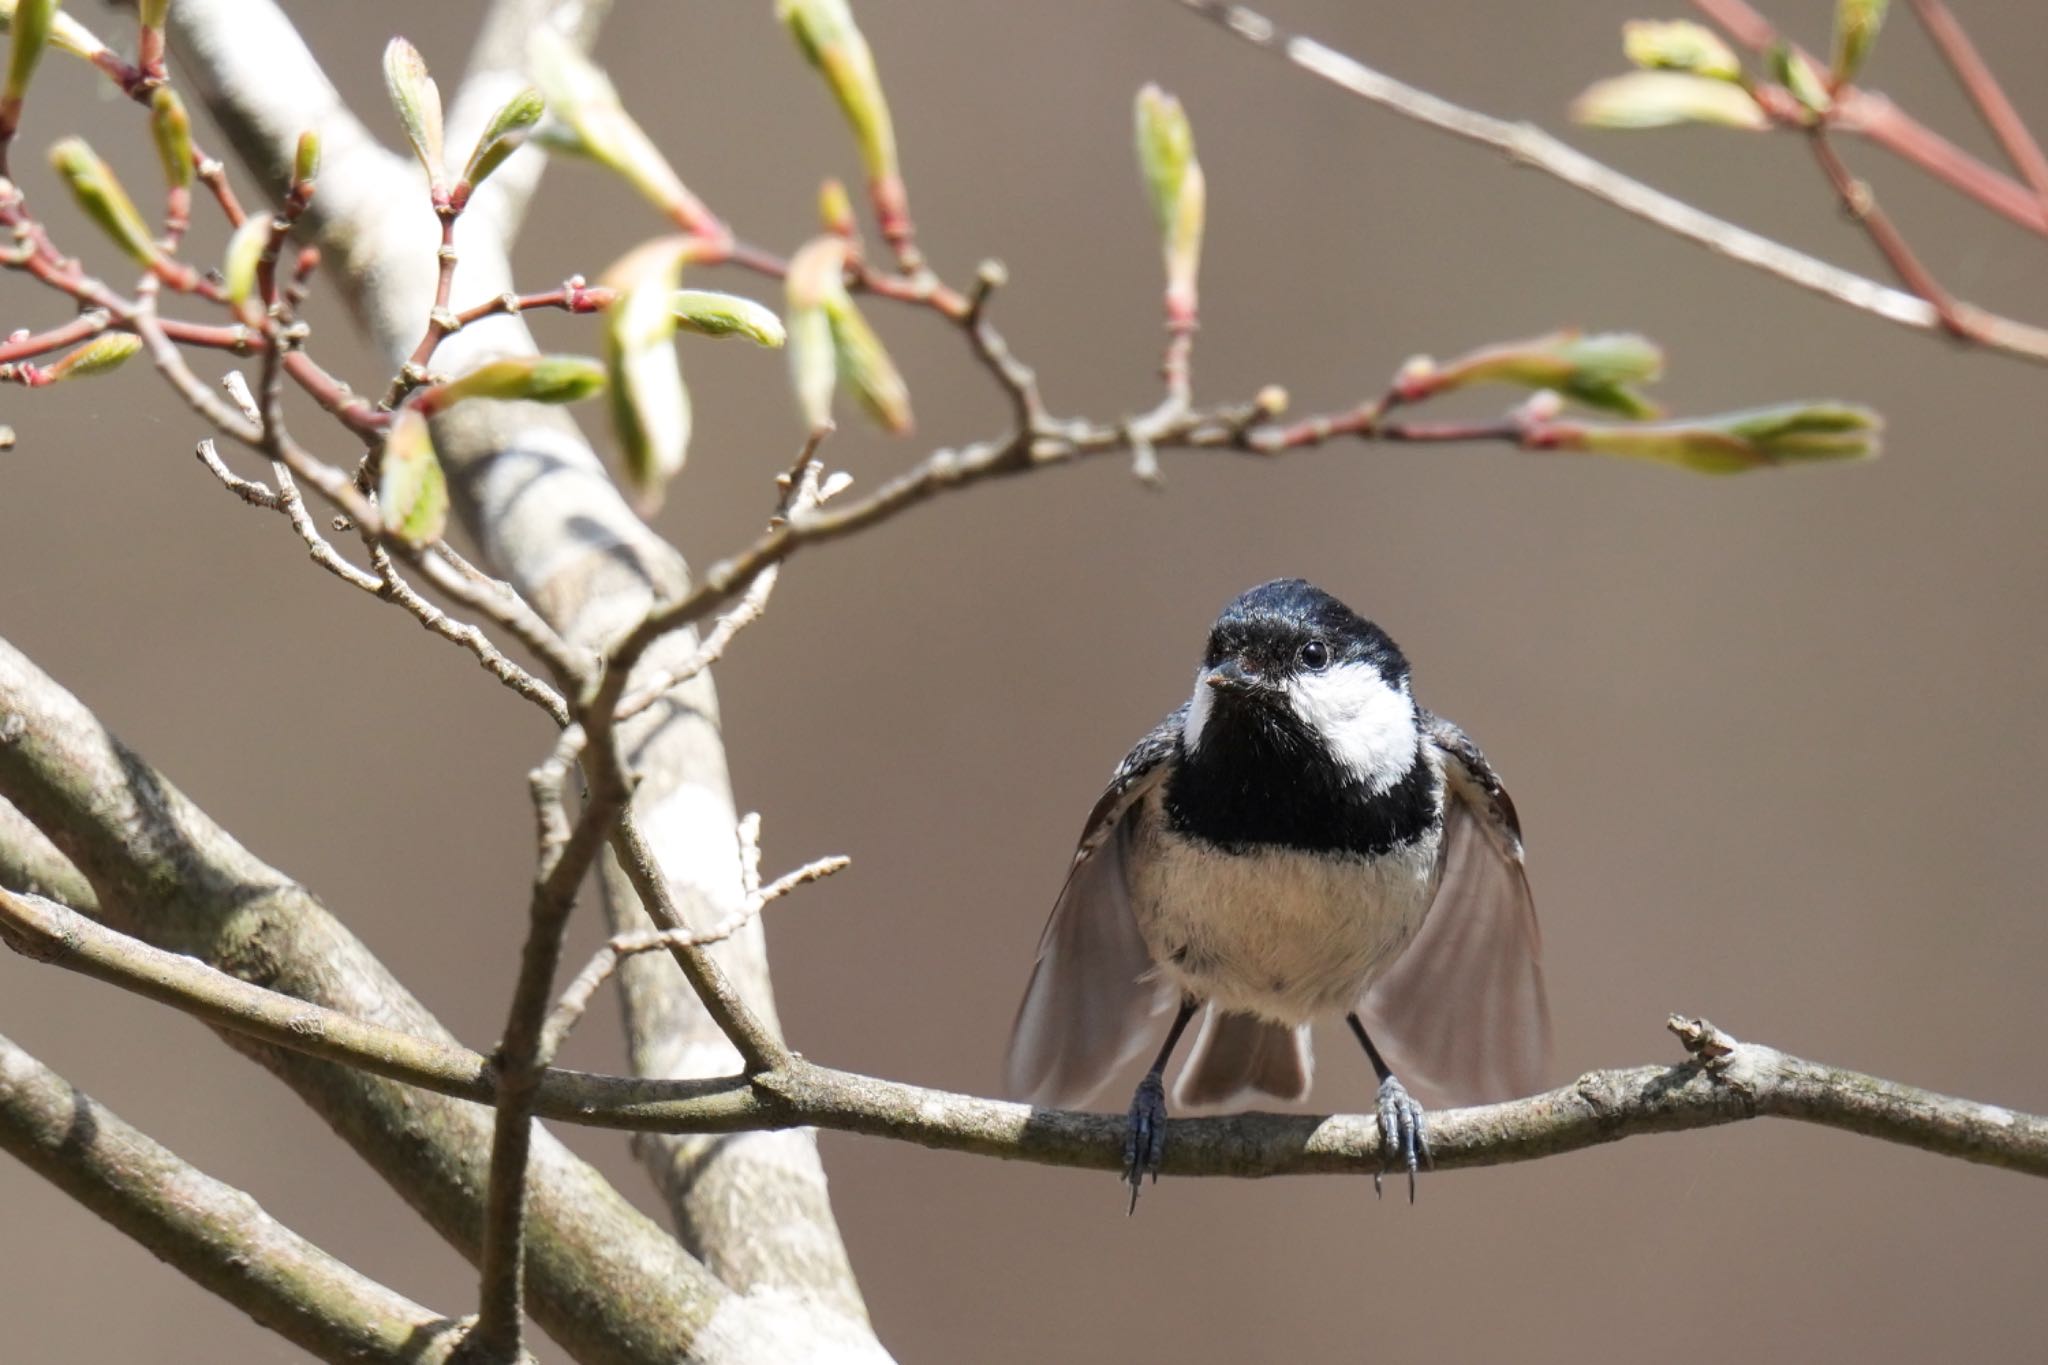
[(583, 988), (758, 1047), (1528, 145), (1722, 1081), (1861, 204)]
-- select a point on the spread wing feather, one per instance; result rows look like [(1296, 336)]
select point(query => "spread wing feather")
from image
[(1461, 1015), (1093, 1000)]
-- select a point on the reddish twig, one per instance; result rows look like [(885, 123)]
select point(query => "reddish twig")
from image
[(1975, 76), (1885, 123), (1861, 205)]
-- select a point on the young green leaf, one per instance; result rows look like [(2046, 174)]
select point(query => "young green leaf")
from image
[(1174, 181), (726, 315), (1856, 26), (101, 355), (102, 199), (832, 42), (1679, 45), (1798, 75), (412, 492), (65, 33), (825, 323), (1598, 371), (418, 102), (1792, 433), (587, 118), (1660, 99), (27, 34), (306, 158), (505, 134), (529, 378), (239, 265), (170, 128), (649, 403)]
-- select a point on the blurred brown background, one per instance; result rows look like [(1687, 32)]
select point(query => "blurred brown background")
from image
[(1776, 739)]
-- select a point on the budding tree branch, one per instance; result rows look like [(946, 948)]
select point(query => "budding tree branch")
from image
[(1527, 145)]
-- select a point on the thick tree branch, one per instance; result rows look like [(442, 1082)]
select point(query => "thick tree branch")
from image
[(1527, 145), (214, 1234), (166, 873), (1723, 1081)]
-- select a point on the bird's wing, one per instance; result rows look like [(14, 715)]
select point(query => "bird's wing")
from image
[(1092, 996), (1461, 1015)]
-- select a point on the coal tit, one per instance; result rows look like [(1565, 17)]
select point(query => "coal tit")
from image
[(1298, 839)]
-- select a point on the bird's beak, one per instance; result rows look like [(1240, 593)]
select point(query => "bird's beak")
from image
[(1232, 676)]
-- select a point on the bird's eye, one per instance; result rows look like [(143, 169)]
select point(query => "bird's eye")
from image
[(1315, 656)]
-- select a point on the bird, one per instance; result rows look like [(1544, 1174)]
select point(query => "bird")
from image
[(1298, 839)]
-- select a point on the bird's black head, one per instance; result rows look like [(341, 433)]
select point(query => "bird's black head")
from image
[(1291, 627), (1301, 730)]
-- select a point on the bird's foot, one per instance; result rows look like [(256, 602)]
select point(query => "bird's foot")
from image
[(1145, 1137), (1401, 1134)]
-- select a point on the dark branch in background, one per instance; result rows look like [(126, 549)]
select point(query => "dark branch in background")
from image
[(214, 1234), (1525, 144), (1722, 1081)]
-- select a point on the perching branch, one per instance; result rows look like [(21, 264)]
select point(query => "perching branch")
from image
[(1527, 145), (1722, 1081), (216, 1235)]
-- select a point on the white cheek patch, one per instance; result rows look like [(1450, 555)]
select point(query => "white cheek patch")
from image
[(1198, 714), (1368, 725)]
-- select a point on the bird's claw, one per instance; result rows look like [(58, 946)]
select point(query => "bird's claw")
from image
[(1145, 1135), (1402, 1132)]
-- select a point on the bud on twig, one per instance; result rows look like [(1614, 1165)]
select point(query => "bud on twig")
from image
[(1791, 69), (170, 127), (101, 355), (726, 315), (505, 134), (28, 32), (1173, 179), (102, 199), (587, 118), (834, 44), (65, 33), (1679, 45), (1598, 371), (825, 324), (412, 492), (649, 403), (418, 102), (1856, 26), (1660, 99), (240, 264), (1792, 433), (835, 209), (532, 378)]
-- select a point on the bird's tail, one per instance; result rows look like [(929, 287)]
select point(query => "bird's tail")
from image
[(1236, 1054)]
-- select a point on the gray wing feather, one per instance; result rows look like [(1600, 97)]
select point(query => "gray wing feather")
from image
[(1236, 1055), (1461, 1015), (1092, 1000)]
